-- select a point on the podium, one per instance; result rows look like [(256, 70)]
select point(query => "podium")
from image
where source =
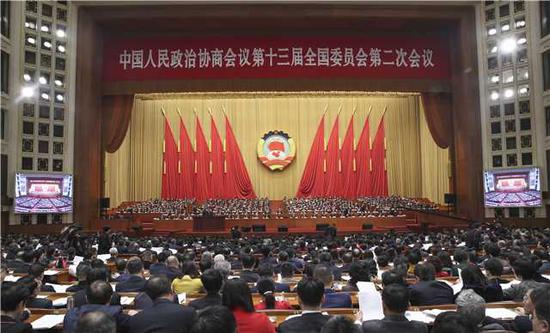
[(209, 223)]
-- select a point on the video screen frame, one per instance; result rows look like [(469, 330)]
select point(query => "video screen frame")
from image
[(530, 196), (59, 202)]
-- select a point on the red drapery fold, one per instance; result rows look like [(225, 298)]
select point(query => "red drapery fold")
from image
[(116, 114), (379, 173), (347, 157), (362, 162), (312, 182), (170, 164), (332, 158), (187, 164), (217, 181), (238, 183), (437, 108), (202, 164)]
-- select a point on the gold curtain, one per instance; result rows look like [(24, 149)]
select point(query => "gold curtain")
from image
[(134, 171)]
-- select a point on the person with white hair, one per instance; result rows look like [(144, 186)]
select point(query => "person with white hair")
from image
[(224, 267), (173, 268), (472, 307), (113, 252)]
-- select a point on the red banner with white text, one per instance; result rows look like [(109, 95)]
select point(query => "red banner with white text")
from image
[(393, 57)]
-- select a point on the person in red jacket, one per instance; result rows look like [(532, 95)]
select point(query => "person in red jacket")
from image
[(266, 288), (237, 297)]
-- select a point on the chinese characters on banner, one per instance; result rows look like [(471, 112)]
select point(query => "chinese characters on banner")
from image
[(146, 59)]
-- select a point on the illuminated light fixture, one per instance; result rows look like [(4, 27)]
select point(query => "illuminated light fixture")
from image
[(31, 40), (494, 95), (492, 31), (508, 93), (61, 48), (27, 91), (47, 44), (42, 80), (505, 27), (494, 78), (26, 77), (45, 96), (27, 25), (59, 98), (494, 49), (526, 75), (520, 24), (58, 83), (522, 41), (508, 45), (60, 33), (523, 90), (44, 28), (509, 79)]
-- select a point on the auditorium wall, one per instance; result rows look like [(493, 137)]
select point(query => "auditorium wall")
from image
[(416, 166)]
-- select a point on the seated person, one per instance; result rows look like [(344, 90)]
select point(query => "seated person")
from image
[(341, 324), (392, 277), (325, 259), (452, 322), (428, 291), (332, 299), (216, 318), (135, 281), (347, 259), (96, 322), (287, 273), (493, 271), (173, 268), (266, 271), (473, 279), (395, 302), (32, 301), (237, 297), (358, 271), (247, 274), (266, 288), (212, 281), (311, 320), (165, 315), (82, 271), (541, 314), (13, 301), (189, 281), (524, 270), (94, 274), (99, 296), (120, 274), (472, 306)]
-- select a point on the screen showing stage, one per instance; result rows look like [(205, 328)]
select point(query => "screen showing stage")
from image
[(43, 193), (513, 188)]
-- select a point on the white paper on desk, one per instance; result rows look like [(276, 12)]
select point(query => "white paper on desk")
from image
[(103, 257), (125, 300), (546, 276), (174, 251), (505, 286), (370, 301), (50, 272), (42, 296), (157, 249), (77, 259), (434, 312), (419, 316), (182, 298), (95, 246), (500, 313), (47, 321), (426, 247), (12, 278), (60, 301), (59, 288)]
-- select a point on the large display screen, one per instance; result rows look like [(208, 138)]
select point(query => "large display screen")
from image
[(513, 188), (43, 193)]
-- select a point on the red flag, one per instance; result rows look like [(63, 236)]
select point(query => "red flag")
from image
[(238, 183), (379, 173), (332, 175), (312, 182), (217, 181), (169, 164), (347, 156), (187, 164), (202, 164), (362, 163)]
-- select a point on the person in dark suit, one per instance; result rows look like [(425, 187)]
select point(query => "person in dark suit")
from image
[(104, 242), (82, 271), (22, 263), (395, 302), (541, 314), (135, 281), (99, 295), (311, 320), (165, 316), (428, 291), (13, 305), (212, 281), (452, 322), (247, 274), (37, 271), (333, 299), (96, 322), (325, 259), (33, 302), (266, 271), (94, 274), (215, 318)]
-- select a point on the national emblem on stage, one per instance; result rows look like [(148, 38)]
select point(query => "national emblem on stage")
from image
[(276, 150)]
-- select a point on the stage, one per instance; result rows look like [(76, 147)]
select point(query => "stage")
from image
[(145, 224)]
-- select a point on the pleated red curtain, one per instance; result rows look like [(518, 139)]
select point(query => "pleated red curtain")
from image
[(379, 173), (312, 182), (116, 113), (347, 156), (187, 164), (332, 158), (363, 162), (437, 108), (217, 179), (170, 164), (238, 183), (202, 164)]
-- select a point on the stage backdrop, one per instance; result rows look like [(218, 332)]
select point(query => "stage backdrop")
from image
[(416, 166)]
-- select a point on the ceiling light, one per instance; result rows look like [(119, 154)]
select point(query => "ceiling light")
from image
[(494, 49), (26, 77), (59, 98), (494, 78), (526, 75), (523, 90), (494, 95), (44, 28), (508, 45), (47, 44), (522, 40), (45, 96), (42, 80), (61, 48), (505, 27), (60, 33), (58, 83), (492, 31), (520, 24), (508, 93), (31, 40), (27, 91)]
